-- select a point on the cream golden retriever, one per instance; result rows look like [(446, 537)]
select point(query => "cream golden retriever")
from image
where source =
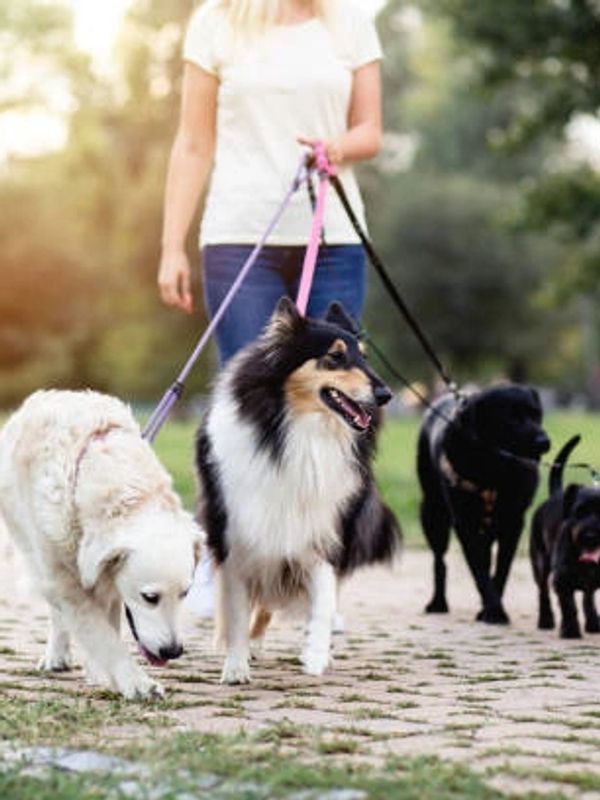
[(88, 502)]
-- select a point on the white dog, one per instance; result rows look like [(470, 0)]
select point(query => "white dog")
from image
[(94, 511)]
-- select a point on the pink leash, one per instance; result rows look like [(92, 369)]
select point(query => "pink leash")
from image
[(325, 170)]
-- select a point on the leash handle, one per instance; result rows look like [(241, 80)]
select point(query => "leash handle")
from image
[(326, 171)]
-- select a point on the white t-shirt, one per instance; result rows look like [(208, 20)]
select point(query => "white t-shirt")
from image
[(294, 81)]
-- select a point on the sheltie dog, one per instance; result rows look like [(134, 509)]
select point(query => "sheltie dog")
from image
[(287, 494)]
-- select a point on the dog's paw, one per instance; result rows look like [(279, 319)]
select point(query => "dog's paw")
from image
[(493, 616), (55, 662), (570, 632), (235, 671), (136, 685), (437, 606), (144, 689), (545, 623), (315, 662), (95, 676)]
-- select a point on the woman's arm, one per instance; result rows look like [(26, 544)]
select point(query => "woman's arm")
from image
[(362, 140), (189, 166)]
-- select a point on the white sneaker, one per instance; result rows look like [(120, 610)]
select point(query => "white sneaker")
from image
[(201, 597)]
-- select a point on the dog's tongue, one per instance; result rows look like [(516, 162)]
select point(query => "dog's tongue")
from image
[(362, 419), (359, 416), (150, 657), (590, 557)]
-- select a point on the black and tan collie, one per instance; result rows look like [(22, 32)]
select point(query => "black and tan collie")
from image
[(287, 494)]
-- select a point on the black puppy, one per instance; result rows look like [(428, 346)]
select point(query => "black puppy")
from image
[(565, 544), (472, 481)]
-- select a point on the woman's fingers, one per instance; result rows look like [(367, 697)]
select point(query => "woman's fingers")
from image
[(174, 282)]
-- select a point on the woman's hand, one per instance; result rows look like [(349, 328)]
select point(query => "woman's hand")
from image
[(174, 280), (333, 149)]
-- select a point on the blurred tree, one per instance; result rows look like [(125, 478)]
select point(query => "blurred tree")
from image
[(123, 148), (81, 228), (46, 286), (445, 228), (547, 48), (32, 44), (93, 212), (474, 285), (546, 53), (45, 291)]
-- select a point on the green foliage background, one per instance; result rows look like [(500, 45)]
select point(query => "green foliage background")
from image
[(488, 229)]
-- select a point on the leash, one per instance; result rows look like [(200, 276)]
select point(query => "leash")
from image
[(327, 173), (174, 392), (528, 462), (303, 173), (391, 288), (426, 345)]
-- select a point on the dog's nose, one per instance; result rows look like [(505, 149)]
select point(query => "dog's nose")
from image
[(542, 443), (382, 394), (173, 651)]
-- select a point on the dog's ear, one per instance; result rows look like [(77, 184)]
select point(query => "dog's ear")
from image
[(569, 498), (467, 412), (536, 397), (285, 319), (95, 557), (336, 314)]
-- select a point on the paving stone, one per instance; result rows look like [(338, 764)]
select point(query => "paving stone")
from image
[(402, 682)]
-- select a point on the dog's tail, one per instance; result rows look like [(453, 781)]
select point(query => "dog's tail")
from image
[(371, 536), (555, 478), (259, 622)]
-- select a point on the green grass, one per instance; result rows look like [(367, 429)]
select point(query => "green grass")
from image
[(285, 757), (67, 718), (248, 768), (395, 464)]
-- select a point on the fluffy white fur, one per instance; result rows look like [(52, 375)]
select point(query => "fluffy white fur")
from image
[(276, 514), (90, 505)]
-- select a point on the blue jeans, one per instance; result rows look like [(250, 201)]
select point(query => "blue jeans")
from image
[(340, 275)]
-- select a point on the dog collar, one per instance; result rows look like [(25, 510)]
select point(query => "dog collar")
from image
[(92, 437)]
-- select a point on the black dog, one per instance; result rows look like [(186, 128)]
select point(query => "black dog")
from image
[(478, 470), (565, 544)]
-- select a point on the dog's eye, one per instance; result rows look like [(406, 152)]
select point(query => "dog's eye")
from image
[(151, 597), (336, 358)]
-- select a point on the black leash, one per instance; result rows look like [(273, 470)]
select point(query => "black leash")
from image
[(427, 347), (391, 288), (528, 462)]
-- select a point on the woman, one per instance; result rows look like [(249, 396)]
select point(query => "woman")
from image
[(262, 78)]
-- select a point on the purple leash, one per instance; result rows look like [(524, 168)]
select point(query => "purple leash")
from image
[(174, 392)]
